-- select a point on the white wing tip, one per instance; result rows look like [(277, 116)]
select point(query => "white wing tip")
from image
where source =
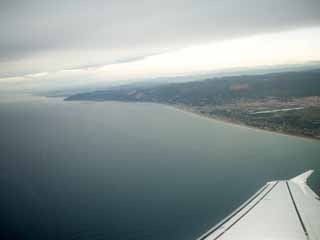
[(302, 178)]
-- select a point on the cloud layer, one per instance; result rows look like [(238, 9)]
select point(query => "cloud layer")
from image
[(42, 35), (288, 47)]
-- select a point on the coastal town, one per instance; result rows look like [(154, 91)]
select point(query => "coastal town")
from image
[(299, 116), (287, 102)]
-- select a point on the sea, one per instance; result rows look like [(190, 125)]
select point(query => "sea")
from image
[(131, 171)]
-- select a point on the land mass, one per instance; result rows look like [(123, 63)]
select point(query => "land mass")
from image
[(287, 102)]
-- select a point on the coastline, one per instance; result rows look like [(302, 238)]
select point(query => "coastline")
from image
[(237, 123), (219, 119)]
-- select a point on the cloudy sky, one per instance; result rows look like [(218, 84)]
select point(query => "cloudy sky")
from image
[(72, 42)]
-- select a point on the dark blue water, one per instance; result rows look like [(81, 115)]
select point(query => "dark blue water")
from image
[(131, 171)]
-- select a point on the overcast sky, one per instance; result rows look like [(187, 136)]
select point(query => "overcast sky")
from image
[(45, 39)]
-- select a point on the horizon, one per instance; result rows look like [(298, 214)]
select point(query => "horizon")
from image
[(121, 42)]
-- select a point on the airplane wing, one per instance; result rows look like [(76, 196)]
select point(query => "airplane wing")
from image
[(280, 210)]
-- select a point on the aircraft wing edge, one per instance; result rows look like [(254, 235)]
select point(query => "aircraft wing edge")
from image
[(303, 201)]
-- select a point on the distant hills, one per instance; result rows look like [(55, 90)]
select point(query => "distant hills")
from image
[(216, 90), (287, 102)]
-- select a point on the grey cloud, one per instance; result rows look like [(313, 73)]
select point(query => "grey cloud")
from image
[(34, 27)]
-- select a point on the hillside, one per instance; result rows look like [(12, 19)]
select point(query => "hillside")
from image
[(285, 102)]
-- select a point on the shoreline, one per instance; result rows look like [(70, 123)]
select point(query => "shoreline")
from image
[(237, 124), (215, 118)]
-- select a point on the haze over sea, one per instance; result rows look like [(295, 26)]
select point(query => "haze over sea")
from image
[(110, 170)]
